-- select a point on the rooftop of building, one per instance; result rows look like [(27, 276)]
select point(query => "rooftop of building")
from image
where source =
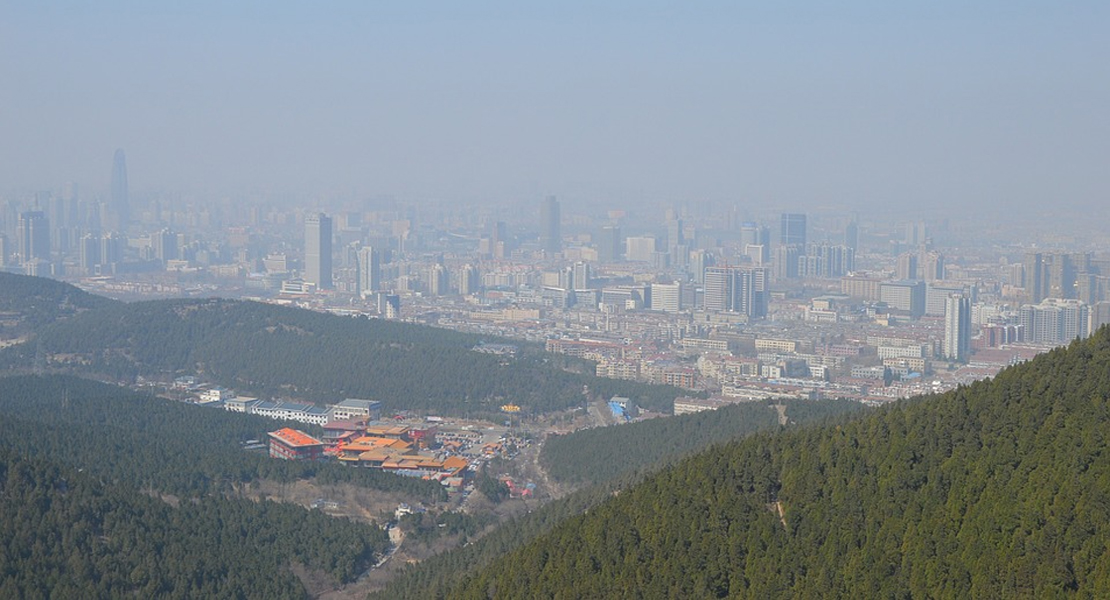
[(295, 438)]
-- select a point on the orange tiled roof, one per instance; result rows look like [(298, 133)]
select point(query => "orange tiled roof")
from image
[(292, 437)]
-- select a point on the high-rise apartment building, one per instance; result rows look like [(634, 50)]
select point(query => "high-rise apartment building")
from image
[(957, 327), (580, 276), (736, 289), (437, 280), (551, 237), (907, 266), (468, 280), (317, 250), (1055, 321)]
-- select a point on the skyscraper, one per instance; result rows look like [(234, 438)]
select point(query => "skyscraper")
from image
[(120, 206), (369, 271), (551, 238), (957, 327), (317, 250), (609, 247), (793, 230)]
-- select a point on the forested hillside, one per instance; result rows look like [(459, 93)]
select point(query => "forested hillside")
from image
[(28, 303), (127, 438), (278, 351), (592, 456), (996, 490), (65, 535)]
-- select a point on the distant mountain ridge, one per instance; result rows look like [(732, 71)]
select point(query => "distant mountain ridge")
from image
[(1000, 489)]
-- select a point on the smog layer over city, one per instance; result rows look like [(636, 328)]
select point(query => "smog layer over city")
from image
[(588, 300)]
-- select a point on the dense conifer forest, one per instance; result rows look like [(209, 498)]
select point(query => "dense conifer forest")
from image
[(277, 351), (34, 302), (1000, 489), (591, 456), (63, 534)]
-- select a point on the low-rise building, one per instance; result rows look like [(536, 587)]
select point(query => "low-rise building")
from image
[(293, 444), (356, 408)]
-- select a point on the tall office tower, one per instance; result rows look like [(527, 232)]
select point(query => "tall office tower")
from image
[(609, 247), (957, 327), (551, 239), (581, 276), (90, 253), (317, 250), (666, 297), (120, 202), (369, 271), (851, 236), (793, 230), (4, 250), (34, 236), (737, 289), (907, 266)]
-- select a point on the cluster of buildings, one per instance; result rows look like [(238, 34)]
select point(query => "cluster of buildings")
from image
[(350, 408), (401, 449), (646, 298)]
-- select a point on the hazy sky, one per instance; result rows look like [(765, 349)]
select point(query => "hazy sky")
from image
[(801, 104)]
